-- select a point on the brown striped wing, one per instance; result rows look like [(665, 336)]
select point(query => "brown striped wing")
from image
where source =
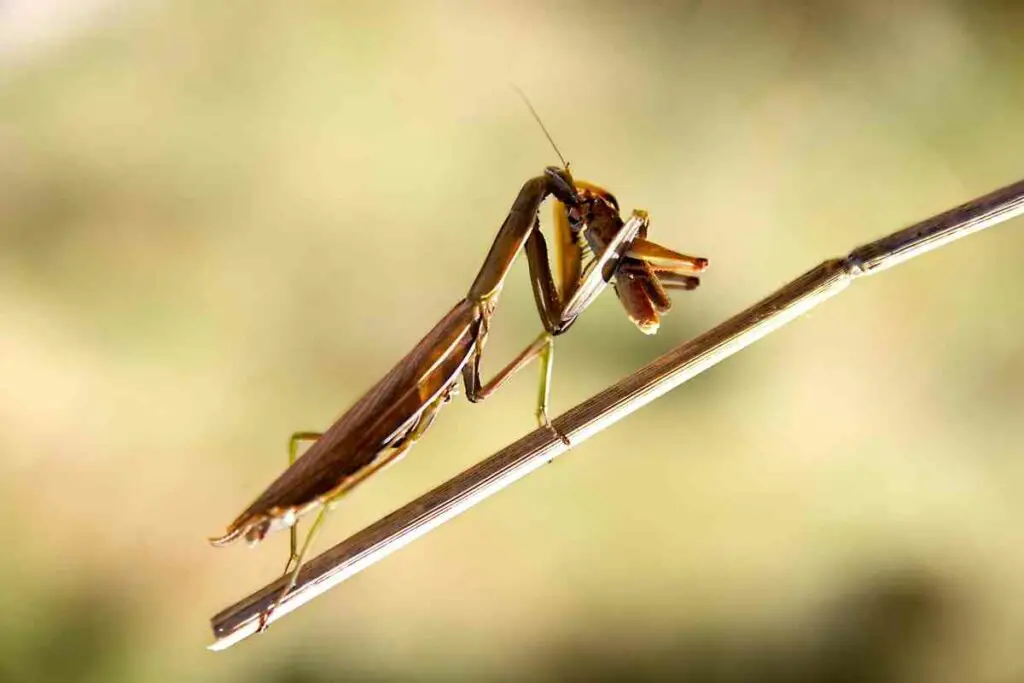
[(393, 404)]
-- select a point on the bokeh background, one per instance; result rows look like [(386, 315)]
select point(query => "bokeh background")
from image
[(221, 222)]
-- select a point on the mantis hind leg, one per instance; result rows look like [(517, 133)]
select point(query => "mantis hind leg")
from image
[(387, 456), (293, 453), (294, 573)]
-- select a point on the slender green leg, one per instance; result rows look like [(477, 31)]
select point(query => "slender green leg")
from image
[(293, 454), (317, 523), (386, 457), (475, 392), (543, 347), (547, 365), (547, 362)]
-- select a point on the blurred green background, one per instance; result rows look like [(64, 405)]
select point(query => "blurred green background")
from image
[(221, 222)]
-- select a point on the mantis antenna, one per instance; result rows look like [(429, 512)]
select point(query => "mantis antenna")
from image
[(541, 124)]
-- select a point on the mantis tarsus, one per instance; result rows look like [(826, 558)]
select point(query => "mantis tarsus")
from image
[(382, 425)]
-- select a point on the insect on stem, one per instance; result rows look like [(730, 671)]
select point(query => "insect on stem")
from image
[(394, 414), (489, 476)]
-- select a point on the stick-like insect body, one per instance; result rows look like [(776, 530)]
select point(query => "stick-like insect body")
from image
[(382, 425)]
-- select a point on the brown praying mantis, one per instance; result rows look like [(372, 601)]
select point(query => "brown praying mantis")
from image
[(382, 425)]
